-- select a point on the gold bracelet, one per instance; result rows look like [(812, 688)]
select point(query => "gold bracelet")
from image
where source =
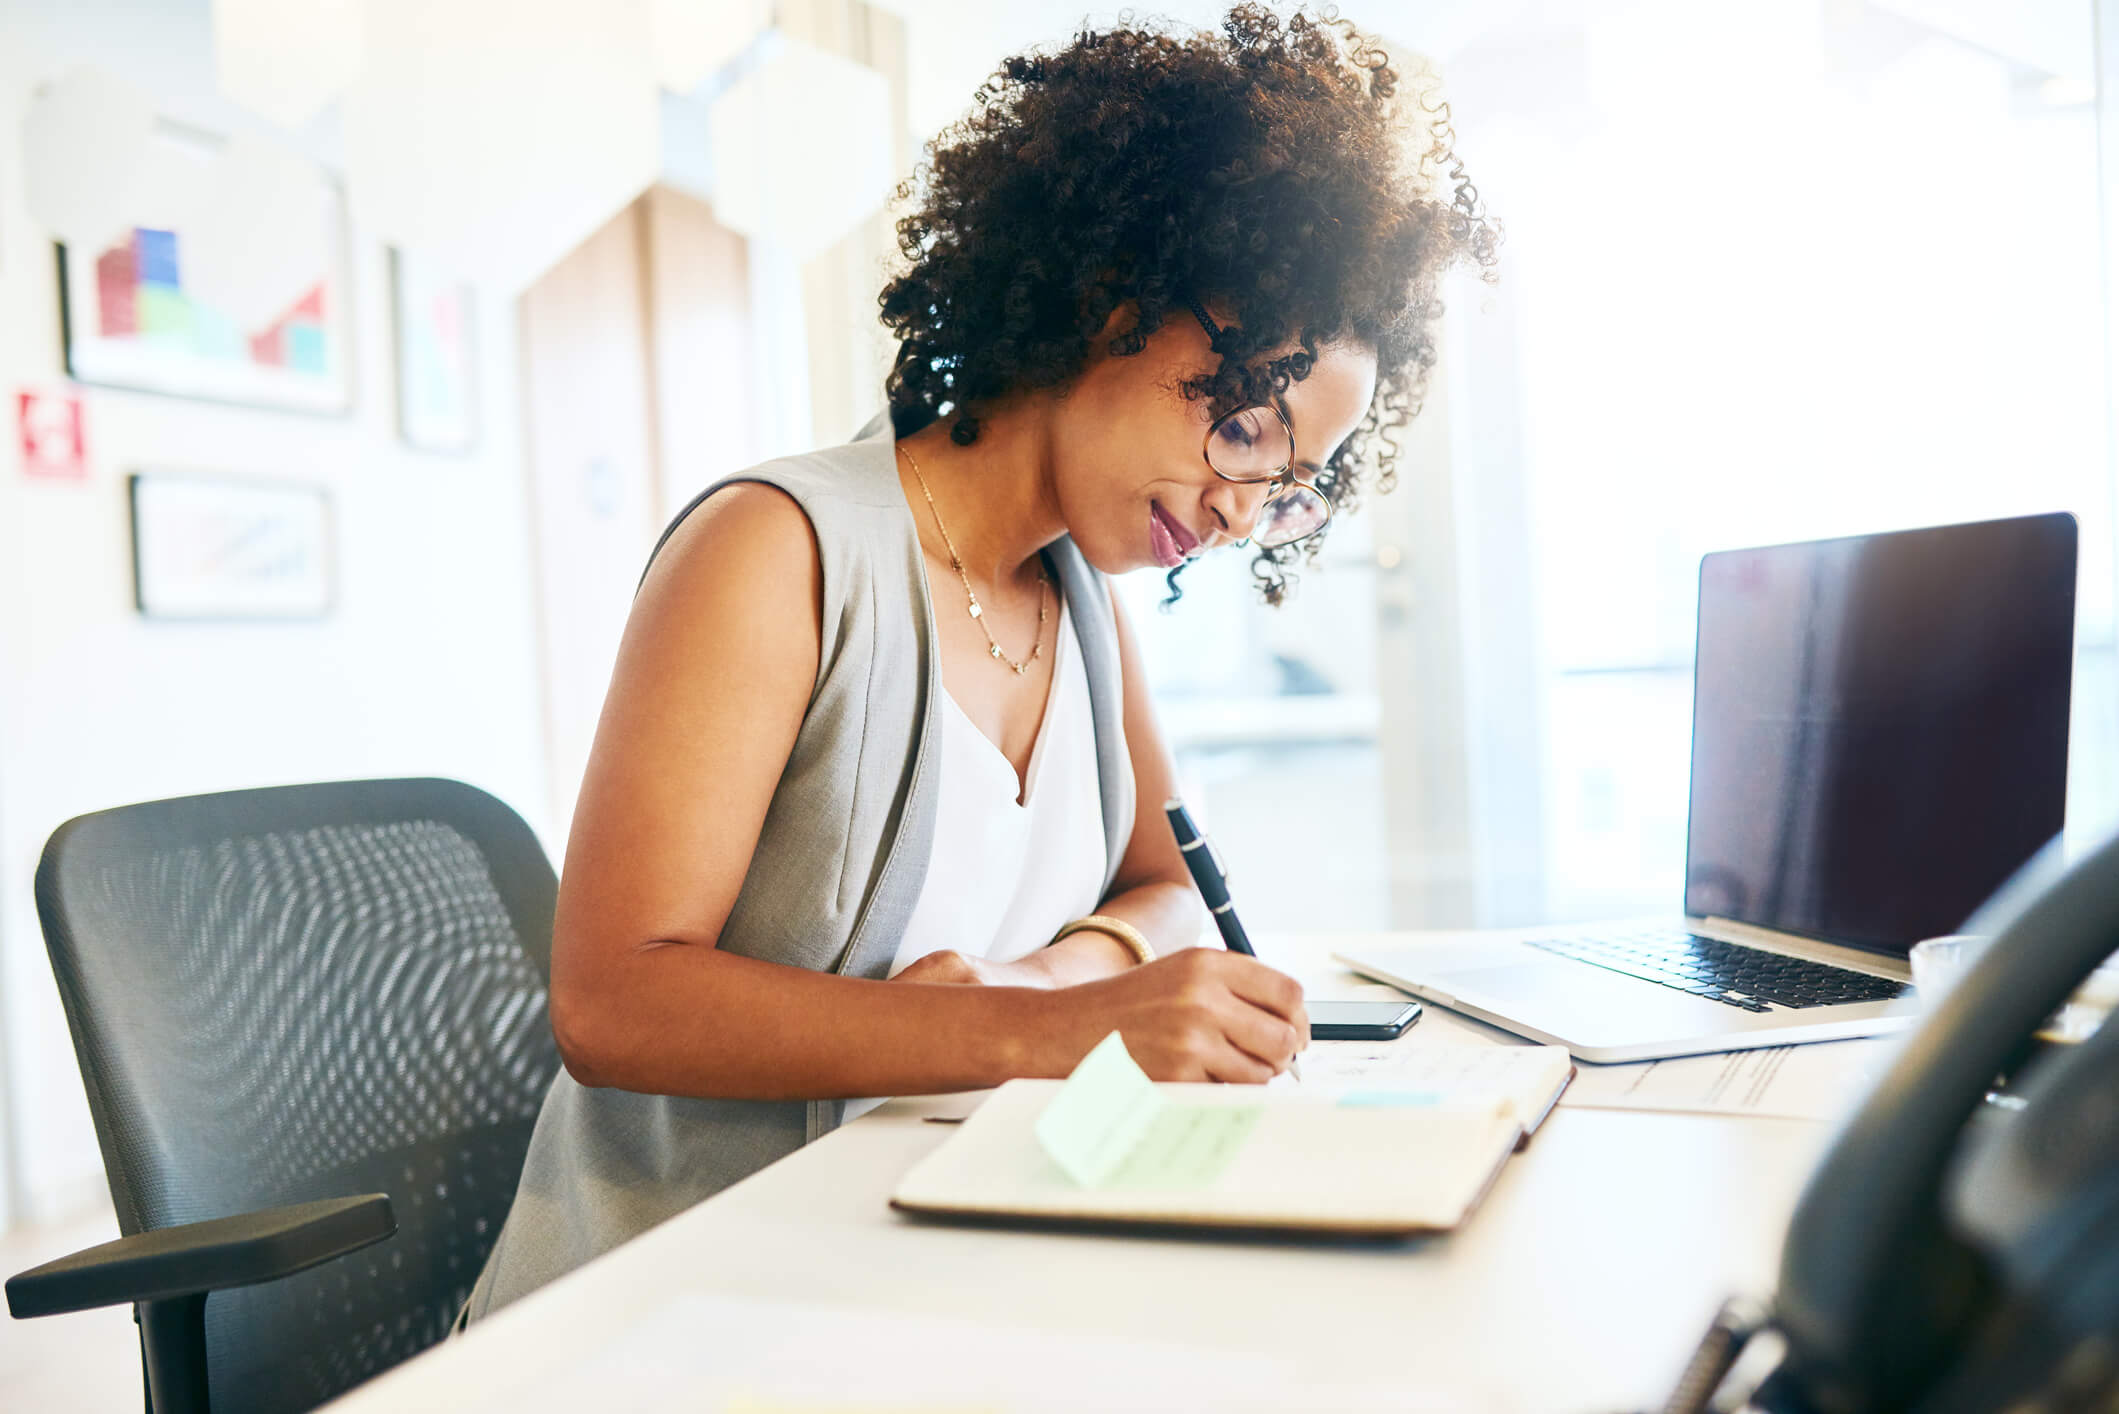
[(1127, 935)]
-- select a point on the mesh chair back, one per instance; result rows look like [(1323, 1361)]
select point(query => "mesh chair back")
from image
[(306, 992)]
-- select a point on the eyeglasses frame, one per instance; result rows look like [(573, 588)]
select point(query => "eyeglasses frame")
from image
[(1282, 477)]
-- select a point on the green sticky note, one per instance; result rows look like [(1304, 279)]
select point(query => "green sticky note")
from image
[(1186, 1146), (1098, 1115), (1109, 1125)]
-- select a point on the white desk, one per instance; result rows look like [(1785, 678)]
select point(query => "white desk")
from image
[(1581, 1284)]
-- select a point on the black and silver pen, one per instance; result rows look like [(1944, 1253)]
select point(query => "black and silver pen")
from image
[(1213, 886)]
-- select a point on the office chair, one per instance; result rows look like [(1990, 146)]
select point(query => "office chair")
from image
[(311, 1021)]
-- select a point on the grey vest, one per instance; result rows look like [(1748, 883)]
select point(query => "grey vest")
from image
[(839, 865)]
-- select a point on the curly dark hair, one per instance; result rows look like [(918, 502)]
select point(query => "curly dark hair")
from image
[(1265, 166)]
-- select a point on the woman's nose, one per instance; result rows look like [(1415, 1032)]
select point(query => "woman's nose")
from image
[(1238, 504)]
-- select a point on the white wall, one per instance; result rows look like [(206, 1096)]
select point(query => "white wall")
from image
[(427, 666)]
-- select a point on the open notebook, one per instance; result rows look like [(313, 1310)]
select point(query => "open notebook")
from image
[(1404, 1144)]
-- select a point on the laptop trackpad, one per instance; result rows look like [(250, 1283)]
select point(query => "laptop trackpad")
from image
[(1588, 1005)]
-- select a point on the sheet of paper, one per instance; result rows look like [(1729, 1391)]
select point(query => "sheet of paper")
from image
[(1816, 1081), (717, 1354), (1109, 1127)]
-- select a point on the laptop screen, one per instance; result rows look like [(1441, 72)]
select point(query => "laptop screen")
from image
[(1879, 727)]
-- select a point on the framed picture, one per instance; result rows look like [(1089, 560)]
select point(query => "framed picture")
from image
[(207, 547), (431, 320), (128, 320)]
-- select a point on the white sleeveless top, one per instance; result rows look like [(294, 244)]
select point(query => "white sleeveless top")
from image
[(1004, 876)]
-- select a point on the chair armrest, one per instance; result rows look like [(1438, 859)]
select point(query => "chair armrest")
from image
[(204, 1256)]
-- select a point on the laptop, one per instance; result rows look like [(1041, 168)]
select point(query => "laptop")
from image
[(1879, 740)]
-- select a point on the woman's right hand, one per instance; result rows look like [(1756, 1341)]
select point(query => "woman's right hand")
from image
[(1199, 1014)]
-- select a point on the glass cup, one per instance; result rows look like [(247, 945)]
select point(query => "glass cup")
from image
[(1938, 963)]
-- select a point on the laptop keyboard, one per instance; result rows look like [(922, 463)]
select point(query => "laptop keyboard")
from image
[(1730, 973)]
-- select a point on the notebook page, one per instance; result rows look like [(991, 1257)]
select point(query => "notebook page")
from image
[(1526, 1076)]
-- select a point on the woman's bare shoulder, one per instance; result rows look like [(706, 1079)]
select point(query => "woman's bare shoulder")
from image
[(748, 549), (754, 522)]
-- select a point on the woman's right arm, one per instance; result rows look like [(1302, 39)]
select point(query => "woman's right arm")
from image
[(712, 680)]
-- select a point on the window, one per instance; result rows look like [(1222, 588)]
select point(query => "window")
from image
[(1773, 272)]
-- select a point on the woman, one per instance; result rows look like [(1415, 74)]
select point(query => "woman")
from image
[(860, 819)]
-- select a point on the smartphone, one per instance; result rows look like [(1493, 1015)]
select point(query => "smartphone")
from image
[(1361, 1021)]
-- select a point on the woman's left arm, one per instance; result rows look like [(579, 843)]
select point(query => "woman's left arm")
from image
[(1153, 891)]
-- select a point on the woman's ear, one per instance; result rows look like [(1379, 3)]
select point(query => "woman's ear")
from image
[(1110, 322)]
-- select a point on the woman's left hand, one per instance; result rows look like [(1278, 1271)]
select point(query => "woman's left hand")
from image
[(949, 966)]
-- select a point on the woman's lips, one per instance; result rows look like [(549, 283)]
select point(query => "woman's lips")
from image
[(1167, 536)]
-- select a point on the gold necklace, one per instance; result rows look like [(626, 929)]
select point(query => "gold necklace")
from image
[(956, 562)]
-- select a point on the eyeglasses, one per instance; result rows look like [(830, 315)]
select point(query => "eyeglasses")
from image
[(1256, 444)]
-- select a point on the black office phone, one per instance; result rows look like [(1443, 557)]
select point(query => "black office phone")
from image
[(1957, 1249)]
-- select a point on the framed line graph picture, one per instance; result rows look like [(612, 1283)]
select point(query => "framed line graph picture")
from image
[(211, 547)]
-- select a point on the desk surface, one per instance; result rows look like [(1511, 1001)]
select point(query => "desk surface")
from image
[(1581, 1284)]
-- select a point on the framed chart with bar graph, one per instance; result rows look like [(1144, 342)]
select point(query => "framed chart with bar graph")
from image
[(211, 547), (130, 319)]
